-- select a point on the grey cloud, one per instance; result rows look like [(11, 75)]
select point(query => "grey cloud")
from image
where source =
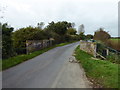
[(93, 14)]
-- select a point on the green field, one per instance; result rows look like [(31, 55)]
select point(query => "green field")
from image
[(115, 40), (101, 73), (113, 43)]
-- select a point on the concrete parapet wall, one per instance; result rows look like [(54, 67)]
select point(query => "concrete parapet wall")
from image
[(34, 45), (89, 47)]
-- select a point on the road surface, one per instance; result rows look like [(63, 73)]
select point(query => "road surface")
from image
[(51, 69)]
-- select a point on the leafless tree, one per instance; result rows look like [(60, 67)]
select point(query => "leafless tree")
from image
[(101, 34), (40, 25), (81, 29), (2, 9)]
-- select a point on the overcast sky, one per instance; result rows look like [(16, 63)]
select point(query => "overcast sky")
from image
[(92, 13)]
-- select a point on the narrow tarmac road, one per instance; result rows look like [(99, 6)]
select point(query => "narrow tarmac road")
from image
[(51, 69)]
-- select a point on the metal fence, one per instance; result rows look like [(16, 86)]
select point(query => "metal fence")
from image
[(108, 53)]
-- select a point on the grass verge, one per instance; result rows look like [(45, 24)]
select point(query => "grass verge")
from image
[(7, 63), (101, 73)]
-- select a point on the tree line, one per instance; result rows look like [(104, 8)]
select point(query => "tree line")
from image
[(14, 42)]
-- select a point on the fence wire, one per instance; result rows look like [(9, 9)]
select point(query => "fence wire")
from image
[(109, 53)]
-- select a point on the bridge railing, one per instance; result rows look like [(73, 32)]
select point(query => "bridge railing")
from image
[(100, 50)]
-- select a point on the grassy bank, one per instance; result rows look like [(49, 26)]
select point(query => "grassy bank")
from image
[(101, 73), (7, 63)]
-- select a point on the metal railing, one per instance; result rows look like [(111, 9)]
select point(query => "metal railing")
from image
[(108, 53)]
